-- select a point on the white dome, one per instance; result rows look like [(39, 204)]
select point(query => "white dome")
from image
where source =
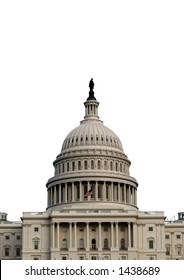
[(92, 133)]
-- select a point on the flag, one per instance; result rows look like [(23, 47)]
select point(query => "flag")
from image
[(88, 193)]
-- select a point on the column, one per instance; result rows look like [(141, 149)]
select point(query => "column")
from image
[(129, 194), (80, 191), (87, 236), (54, 194), (66, 191), (51, 197), (58, 235), (136, 197), (104, 191), (129, 236), (99, 237), (112, 236), (53, 235), (135, 235), (70, 235), (60, 193), (96, 191), (112, 192), (119, 196), (117, 236), (125, 196), (73, 192), (75, 235)]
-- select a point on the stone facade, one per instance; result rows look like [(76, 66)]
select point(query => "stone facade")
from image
[(92, 210)]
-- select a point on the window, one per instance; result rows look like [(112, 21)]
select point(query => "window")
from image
[(18, 252), (167, 250), (64, 258), (99, 164), (178, 236), (122, 243), (63, 167), (64, 244), (105, 165), (150, 228), (7, 252), (105, 228), (18, 237), (36, 244), (36, 229), (7, 237), (93, 243), (81, 229), (93, 228), (106, 245), (68, 167), (167, 236), (81, 243), (151, 244)]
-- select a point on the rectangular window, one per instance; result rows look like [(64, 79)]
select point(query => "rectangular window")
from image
[(68, 167), (36, 229), (105, 228), (36, 245), (73, 166), (93, 229), (18, 237), (7, 237), (167, 236), (7, 252), (150, 228), (178, 236), (151, 244), (17, 252), (81, 229)]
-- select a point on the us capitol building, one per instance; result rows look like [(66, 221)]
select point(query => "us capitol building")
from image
[(92, 210)]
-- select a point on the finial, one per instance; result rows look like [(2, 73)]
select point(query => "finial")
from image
[(91, 92)]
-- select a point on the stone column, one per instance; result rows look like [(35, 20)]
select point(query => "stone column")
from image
[(125, 196), (51, 197), (54, 194), (99, 237), (104, 191), (53, 235), (96, 191), (58, 226), (135, 235), (129, 236), (70, 235), (60, 193), (75, 235), (119, 193), (87, 236), (117, 236), (66, 192), (112, 236), (129, 194), (73, 192), (80, 192), (112, 192)]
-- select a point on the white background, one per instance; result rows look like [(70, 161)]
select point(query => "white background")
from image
[(134, 51)]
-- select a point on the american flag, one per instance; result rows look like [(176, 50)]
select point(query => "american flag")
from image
[(88, 193)]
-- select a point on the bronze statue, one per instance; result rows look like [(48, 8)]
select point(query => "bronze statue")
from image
[(91, 92)]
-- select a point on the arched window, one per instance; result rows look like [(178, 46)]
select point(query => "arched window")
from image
[(99, 164), (64, 243), (106, 245), (93, 243), (81, 243)]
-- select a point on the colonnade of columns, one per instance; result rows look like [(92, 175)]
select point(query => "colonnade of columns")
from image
[(100, 191), (116, 239)]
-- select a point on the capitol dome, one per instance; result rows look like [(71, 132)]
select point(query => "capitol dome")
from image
[(92, 167)]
